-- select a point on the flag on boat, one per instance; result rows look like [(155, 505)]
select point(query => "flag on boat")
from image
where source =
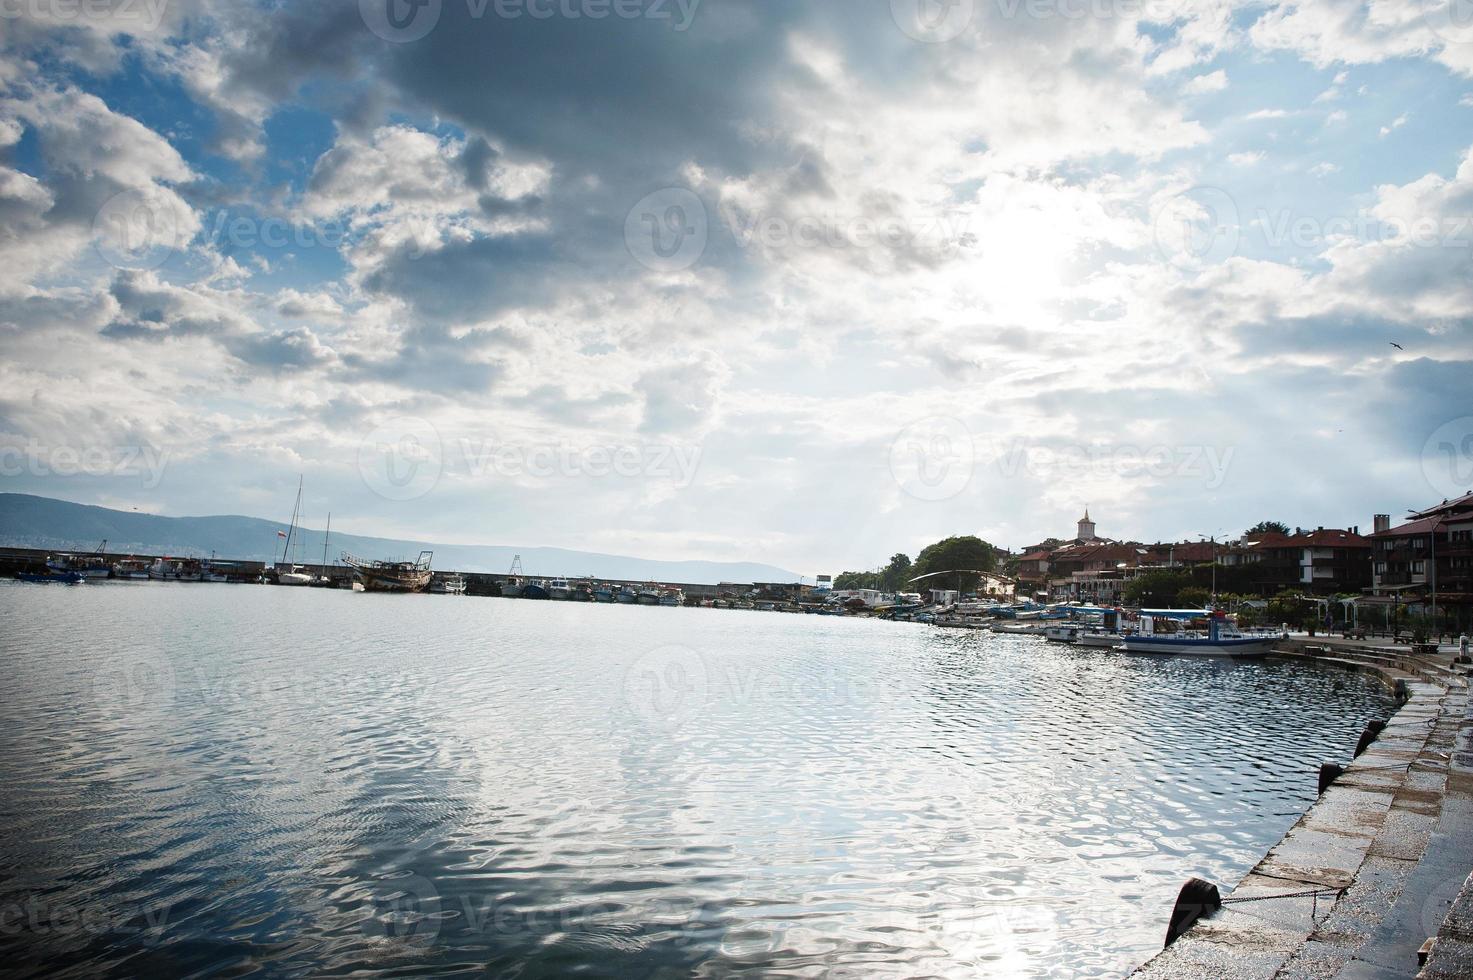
[(281, 534)]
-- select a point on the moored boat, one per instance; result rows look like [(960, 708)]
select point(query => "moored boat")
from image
[(1100, 641), (130, 568), (49, 576), (559, 589), (392, 576), (450, 585), (93, 566), (1220, 640), (293, 575)]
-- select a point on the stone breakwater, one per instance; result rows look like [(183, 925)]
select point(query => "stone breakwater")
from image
[(1374, 880)]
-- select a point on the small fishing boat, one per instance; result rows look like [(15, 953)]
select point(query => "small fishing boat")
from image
[(648, 596), (1062, 634), (176, 570), (451, 585), (672, 597), (93, 566), (61, 578), (1099, 641), (603, 593), (626, 595), (130, 568), (535, 590), (1025, 630), (559, 589), (392, 576)]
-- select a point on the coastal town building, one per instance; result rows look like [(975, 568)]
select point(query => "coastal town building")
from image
[(1324, 561), (1426, 561)]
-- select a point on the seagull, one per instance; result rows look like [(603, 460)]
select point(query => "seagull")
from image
[(1397, 346)]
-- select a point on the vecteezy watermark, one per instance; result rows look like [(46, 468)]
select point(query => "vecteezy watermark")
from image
[(665, 688), (934, 459), (404, 908), (942, 234), (1200, 225), (136, 231), (41, 916), (933, 21), (402, 459), (673, 463), (402, 21), (249, 231), (667, 231), (1447, 458), (1452, 20), (406, 458), (146, 14), (1210, 464), (134, 681), (35, 458), (1286, 227)]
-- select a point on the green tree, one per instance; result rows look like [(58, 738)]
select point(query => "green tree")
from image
[(1194, 597), (1267, 527), (897, 574), (1158, 589), (965, 555), (857, 580)]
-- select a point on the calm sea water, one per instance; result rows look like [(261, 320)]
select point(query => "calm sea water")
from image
[(211, 779)]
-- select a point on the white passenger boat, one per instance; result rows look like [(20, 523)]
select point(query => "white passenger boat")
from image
[(1220, 640), (1063, 634), (559, 589)]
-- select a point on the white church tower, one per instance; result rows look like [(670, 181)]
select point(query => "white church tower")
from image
[(1086, 527)]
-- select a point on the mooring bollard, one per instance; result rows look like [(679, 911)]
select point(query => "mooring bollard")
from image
[(1373, 731), (1329, 772), (1197, 898)]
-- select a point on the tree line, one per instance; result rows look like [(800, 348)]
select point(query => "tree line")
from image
[(963, 556)]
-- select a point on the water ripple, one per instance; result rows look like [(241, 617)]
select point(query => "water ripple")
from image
[(220, 780)]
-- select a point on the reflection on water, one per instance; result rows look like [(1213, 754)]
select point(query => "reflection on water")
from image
[(221, 779)]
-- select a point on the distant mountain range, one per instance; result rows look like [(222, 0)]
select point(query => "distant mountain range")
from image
[(28, 521)]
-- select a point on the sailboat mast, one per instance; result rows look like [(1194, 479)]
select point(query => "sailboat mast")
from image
[(291, 529), (325, 539)]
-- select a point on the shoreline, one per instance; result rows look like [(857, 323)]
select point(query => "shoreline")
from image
[(1379, 864)]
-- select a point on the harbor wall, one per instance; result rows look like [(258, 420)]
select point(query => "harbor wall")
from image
[(1367, 883)]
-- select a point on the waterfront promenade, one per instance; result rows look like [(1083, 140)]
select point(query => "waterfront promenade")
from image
[(1373, 883)]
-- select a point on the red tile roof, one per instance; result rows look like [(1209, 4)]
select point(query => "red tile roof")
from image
[(1324, 538), (1415, 527), (1465, 502)]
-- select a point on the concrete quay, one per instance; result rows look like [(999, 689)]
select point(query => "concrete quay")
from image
[(1373, 882)]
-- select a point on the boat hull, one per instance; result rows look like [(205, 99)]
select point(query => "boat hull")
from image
[(61, 578), (1246, 647), (403, 584)]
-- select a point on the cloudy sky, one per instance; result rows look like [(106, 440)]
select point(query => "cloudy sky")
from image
[(798, 283)]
